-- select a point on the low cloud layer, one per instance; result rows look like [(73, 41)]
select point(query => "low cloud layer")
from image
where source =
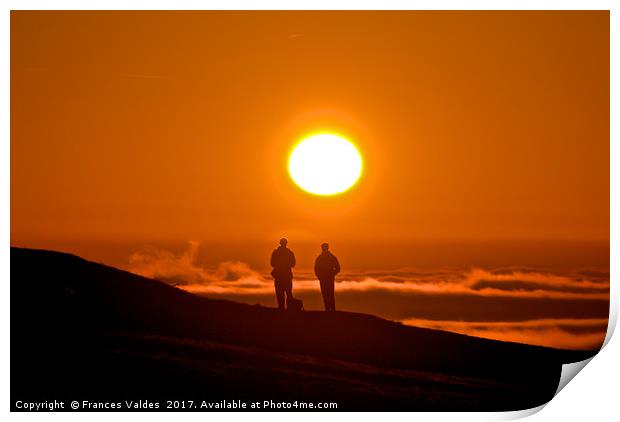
[(558, 333), (181, 270), (513, 304)]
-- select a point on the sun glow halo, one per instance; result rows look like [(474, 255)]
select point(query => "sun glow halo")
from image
[(325, 164)]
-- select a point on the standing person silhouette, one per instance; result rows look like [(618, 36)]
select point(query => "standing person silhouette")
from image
[(282, 260), (326, 267)]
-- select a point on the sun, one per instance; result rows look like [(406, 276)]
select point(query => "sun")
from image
[(325, 164)]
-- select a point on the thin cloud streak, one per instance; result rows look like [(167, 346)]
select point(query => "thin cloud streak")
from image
[(584, 334), (183, 271)]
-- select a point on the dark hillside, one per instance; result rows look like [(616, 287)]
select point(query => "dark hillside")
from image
[(81, 328)]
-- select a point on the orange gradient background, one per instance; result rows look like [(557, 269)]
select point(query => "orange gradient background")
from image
[(133, 130)]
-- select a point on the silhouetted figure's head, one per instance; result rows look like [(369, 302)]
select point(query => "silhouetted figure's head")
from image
[(283, 242), (324, 247)]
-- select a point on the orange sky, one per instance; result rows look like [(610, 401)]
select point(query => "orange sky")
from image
[(484, 203), (177, 125)]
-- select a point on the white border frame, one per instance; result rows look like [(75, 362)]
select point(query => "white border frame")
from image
[(594, 392)]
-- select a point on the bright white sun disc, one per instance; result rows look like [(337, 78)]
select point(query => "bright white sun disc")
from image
[(325, 164)]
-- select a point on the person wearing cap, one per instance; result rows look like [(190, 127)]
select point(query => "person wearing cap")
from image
[(282, 261), (326, 267)]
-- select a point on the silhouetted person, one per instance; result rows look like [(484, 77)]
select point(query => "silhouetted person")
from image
[(326, 267), (282, 260)]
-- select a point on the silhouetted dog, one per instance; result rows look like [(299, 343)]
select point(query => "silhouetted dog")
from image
[(294, 305)]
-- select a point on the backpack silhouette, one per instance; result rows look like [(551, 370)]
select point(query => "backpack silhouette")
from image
[(294, 305)]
